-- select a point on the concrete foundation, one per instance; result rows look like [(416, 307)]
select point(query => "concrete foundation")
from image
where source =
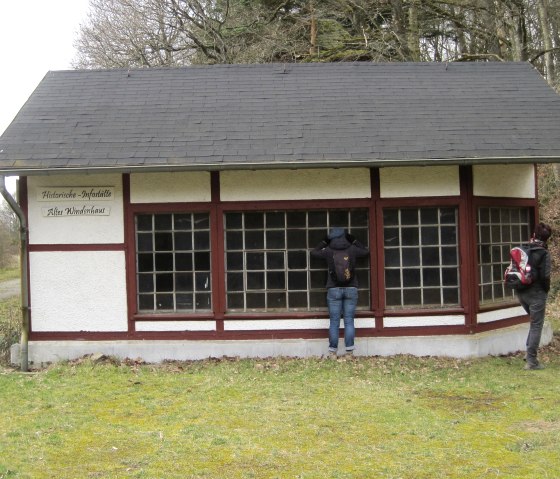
[(496, 342)]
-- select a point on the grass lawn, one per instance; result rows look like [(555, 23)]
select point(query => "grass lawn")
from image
[(399, 417)]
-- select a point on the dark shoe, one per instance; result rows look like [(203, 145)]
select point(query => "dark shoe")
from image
[(534, 367)]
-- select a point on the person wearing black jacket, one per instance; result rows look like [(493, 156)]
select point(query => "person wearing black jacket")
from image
[(533, 299), (342, 299)]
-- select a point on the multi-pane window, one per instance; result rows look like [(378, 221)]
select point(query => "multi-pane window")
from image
[(498, 230), (421, 257), (173, 262), (267, 261)]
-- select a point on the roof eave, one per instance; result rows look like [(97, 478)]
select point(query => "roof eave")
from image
[(296, 164)]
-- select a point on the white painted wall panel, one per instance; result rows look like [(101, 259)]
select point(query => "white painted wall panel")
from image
[(510, 181), (78, 291), (302, 184), (418, 181), (287, 324), (176, 326), (404, 321), (500, 314), (75, 229), (177, 187)]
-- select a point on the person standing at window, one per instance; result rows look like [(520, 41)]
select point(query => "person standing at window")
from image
[(533, 299), (340, 251)]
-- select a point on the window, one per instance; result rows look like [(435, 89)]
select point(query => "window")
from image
[(268, 266), (421, 257), (173, 262), (498, 230)]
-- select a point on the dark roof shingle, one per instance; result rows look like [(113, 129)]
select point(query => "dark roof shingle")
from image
[(228, 116)]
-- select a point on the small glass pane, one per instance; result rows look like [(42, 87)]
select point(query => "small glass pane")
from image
[(256, 300), (234, 261), (182, 222), (145, 283), (391, 237), (203, 301), (254, 221), (254, 239), (184, 301), (144, 223), (392, 278), (411, 277), (255, 281), (275, 239), (183, 262), (235, 301), (145, 263), (317, 219), (298, 260), (297, 280), (234, 221), (146, 302), (432, 296), (296, 219), (202, 240), (164, 262), (202, 261), (392, 258), (296, 239), (183, 241), (276, 220), (164, 241), (276, 300), (164, 282), (297, 300), (276, 280), (275, 261), (412, 297), (183, 282), (145, 242), (255, 261), (162, 222), (164, 301), (409, 217), (234, 282), (201, 221), (410, 257), (234, 240)]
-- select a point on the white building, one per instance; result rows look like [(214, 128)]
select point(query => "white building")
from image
[(171, 211)]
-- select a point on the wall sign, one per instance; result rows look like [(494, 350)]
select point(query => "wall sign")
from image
[(83, 198)]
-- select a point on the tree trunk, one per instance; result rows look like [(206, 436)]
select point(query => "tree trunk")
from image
[(544, 21)]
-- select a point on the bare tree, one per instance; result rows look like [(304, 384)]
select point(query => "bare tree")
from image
[(145, 33)]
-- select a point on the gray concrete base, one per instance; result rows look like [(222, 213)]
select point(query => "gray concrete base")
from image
[(496, 342)]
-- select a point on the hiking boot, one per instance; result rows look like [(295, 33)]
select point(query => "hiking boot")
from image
[(533, 367)]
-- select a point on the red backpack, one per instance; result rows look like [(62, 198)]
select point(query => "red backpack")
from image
[(521, 273)]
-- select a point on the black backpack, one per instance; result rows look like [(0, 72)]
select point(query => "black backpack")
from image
[(342, 271)]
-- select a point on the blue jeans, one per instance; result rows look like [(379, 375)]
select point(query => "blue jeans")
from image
[(342, 302)]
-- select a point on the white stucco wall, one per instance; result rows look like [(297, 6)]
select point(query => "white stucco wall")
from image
[(175, 187), (303, 184), (75, 229), (78, 291), (509, 181), (419, 181)]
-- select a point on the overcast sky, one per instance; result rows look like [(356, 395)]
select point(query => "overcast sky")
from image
[(36, 36)]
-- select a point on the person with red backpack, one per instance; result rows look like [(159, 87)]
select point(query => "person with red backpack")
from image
[(340, 251), (533, 297)]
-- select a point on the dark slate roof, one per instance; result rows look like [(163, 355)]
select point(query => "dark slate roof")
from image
[(293, 115)]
